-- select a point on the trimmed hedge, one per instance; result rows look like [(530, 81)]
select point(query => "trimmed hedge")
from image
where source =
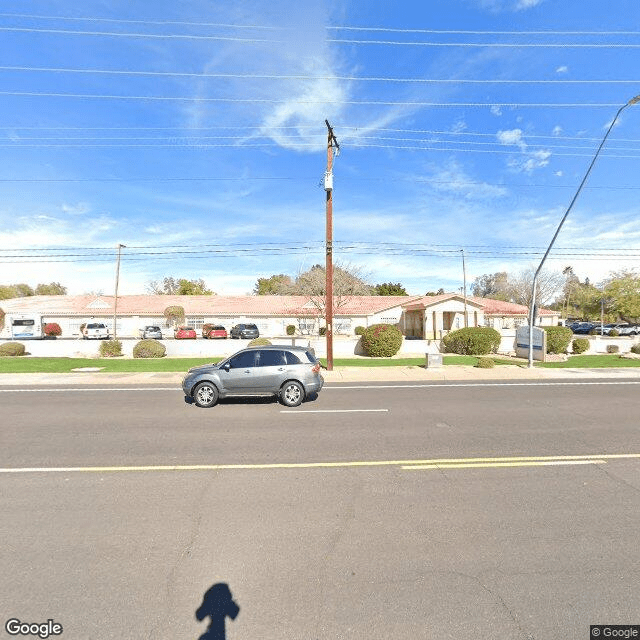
[(359, 331), (149, 349), (580, 345), (12, 349), (52, 329), (558, 339), (381, 340), (485, 363), (259, 342), (635, 348), (110, 348), (291, 329), (613, 348), (472, 341)]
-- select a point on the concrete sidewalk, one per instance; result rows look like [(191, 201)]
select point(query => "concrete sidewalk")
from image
[(338, 375)]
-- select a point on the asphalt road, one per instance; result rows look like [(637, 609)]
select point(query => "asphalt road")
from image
[(375, 511)]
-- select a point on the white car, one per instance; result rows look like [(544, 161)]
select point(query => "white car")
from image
[(95, 331)]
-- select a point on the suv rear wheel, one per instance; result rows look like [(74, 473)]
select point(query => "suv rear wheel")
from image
[(291, 394)]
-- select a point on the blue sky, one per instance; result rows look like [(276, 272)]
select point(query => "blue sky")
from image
[(193, 133)]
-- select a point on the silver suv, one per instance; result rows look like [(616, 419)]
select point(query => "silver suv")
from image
[(290, 373)]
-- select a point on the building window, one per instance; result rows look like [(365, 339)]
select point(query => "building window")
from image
[(195, 321)]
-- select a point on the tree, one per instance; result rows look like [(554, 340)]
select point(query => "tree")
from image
[(51, 289), (15, 291), (179, 287), (439, 292), (623, 292), (273, 286), (390, 289), (492, 285), (174, 315)]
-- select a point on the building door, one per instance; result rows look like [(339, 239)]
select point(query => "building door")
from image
[(447, 320)]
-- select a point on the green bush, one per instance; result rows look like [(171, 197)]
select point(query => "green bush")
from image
[(580, 345), (635, 348), (359, 331), (381, 340), (110, 348), (291, 329), (12, 349), (472, 341), (259, 342), (614, 333), (52, 329), (485, 363), (558, 339), (149, 349), (613, 348)]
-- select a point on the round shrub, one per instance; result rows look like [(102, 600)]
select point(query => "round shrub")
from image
[(381, 340), (613, 348), (259, 342), (635, 348), (472, 341), (614, 333), (580, 345), (359, 331), (485, 363), (149, 349), (558, 339), (52, 329), (291, 329), (110, 348), (12, 349)]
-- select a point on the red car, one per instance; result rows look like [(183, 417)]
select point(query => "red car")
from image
[(214, 331), (184, 333)]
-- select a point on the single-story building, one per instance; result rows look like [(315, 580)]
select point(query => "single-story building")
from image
[(417, 316)]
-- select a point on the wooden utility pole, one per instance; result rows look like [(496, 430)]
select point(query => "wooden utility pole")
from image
[(328, 186), (115, 300)]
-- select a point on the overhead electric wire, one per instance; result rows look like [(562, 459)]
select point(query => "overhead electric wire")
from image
[(274, 76)]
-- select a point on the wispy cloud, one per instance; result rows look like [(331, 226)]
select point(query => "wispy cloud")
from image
[(531, 160)]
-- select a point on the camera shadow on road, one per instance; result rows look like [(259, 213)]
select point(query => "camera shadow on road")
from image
[(217, 605)]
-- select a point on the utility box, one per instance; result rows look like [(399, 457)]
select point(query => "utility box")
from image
[(434, 360), (328, 181)]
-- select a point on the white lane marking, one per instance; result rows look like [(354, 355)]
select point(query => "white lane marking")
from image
[(336, 411), (483, 465), (56, 390), (411, 464)]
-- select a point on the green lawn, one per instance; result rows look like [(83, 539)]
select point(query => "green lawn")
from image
[(607, 361), (130, 365)]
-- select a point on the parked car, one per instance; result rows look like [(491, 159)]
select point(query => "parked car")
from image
[(604, 330), (151, 331), (184, 333), (245, 331), (582, 327), (214, 331), (290, 373), (95, 331), (628, 329)]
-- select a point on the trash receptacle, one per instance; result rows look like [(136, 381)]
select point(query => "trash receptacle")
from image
[(434, 360)]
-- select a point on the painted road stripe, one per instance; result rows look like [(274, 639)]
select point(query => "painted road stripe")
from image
[(335, 465), (481, 465), (336, 411)]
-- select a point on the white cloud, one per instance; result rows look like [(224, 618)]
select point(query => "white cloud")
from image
[(496, 111), (557, 130), (512, 137), (562, 69)]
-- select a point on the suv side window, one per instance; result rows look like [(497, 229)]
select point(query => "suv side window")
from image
[(292, 358), (243, 360), (271, 358)]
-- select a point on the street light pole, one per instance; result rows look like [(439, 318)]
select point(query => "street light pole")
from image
[(328, 186), (464, 281), (115, 300), (534, 291)]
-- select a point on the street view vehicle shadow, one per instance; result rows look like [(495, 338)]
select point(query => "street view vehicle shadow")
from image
[(217, 604), (266, 399)]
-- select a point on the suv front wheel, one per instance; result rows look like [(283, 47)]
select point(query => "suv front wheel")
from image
[(291, 394), (205, 394)]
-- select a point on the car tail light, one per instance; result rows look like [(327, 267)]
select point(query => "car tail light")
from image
[(316, 368)]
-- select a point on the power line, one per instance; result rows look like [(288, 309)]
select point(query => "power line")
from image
[(264, 76)]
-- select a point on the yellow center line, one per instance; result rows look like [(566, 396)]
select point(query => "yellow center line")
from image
[(480, 465), (409, 464)]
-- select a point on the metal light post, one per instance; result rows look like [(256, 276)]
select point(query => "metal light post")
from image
[(115, 301), (534, 291)]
